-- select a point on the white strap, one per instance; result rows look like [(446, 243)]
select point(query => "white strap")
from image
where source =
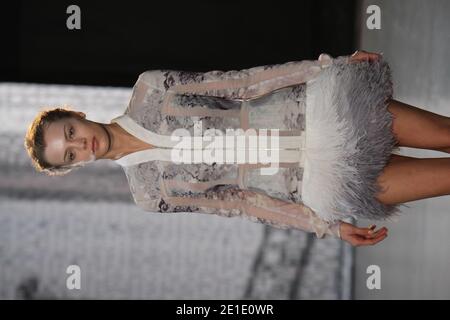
[(165, 145), (143, 134)]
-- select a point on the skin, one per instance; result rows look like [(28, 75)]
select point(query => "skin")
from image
[(406, 178), (113, 141), (403, 179)]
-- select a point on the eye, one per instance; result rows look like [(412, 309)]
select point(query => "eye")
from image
[(71, 132), (71, 156)]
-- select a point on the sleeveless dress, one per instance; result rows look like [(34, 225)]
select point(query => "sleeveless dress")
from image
[(311, 137)]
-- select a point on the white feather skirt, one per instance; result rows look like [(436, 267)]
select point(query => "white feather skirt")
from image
[(349, 140)]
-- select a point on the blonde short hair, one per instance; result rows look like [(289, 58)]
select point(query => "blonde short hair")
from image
[(34, 139)]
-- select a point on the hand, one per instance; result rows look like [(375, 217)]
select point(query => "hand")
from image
[(361, 55), (361, 236)]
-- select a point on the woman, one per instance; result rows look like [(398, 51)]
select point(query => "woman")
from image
[(333, 127)]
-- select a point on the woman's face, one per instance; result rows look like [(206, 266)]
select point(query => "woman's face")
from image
[(70, 141)]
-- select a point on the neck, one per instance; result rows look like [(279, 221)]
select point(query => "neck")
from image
[(121, 142), (116, 140)]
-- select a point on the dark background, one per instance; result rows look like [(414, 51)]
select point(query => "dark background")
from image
[(118, 40)]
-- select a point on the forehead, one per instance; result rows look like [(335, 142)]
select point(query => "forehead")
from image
[(55, 141), (54, 129)]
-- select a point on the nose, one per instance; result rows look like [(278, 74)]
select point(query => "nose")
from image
[(79, 143)]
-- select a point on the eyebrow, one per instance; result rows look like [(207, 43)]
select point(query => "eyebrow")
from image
[(65, 152)]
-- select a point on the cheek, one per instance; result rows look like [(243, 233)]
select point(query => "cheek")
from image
[(89, 159)]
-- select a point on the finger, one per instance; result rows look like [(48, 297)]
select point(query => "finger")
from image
[(353, 59), (378, 239), (373, 227), (367, 233), (381, 230), (358, 56), (368, 237), (375, 56), (377, 233), (370, 242), (362, 56), (363, 231)]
